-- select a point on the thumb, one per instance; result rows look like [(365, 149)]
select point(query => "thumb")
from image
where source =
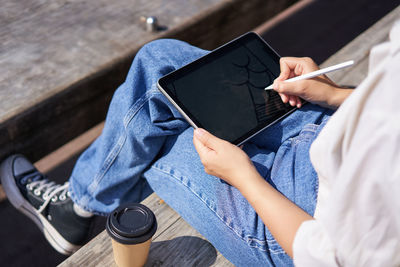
[(206, 139)]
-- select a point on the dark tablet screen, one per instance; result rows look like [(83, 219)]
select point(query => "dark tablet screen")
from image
[(223, 92)]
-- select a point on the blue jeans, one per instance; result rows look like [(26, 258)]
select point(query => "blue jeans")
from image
[(147, 145)]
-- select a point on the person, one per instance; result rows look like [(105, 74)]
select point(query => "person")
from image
[(320, 186)]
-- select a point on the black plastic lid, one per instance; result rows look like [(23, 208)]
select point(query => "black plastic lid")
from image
[(131, 223)]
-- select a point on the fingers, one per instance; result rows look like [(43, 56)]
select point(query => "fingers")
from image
[(287, 66), (285, 98), (206, 144), (293, 66), (299, 103), (289, 88), (290, 92), (290, 67), (201, 149), (206, 139), (293, 100), (285, 70), (215, 154)]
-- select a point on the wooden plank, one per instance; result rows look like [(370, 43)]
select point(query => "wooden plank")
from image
[(62, 61), (67, 151), (321, 28), (2, 194), (285, 14), (174, 244), (182, 245), (359, 50)]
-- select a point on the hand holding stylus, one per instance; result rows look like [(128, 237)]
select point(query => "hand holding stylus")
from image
[(295, 82), (316, 73)]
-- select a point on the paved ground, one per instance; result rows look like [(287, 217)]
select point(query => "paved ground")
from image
[(316, 31)]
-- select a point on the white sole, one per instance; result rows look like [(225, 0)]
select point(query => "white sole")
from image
[(16, 199), (55, 239)]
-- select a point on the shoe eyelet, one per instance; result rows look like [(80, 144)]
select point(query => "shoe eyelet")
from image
[(54, 199), (29, 187), (62, 197), (37, 192), (45, 197)]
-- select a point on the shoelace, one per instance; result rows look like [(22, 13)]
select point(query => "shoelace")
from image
[(51, 189)]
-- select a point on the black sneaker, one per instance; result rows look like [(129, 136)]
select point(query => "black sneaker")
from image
[(46, 203)]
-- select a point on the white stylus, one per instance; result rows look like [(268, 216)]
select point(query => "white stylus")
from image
[(317, 73)]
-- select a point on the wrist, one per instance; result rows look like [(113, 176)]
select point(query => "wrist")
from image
[(338, 96), (251, 184)]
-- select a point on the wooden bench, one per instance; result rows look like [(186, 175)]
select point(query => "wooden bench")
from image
[(175, 242)]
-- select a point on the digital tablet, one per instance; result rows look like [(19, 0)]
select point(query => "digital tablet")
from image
[(223, 91)]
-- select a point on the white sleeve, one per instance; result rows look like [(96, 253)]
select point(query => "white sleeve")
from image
[(358, 151), (360, 224), (312, 246)]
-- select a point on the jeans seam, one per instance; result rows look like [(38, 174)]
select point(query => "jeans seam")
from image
[(267, 241), (132, 111), (243, 238), (306, 134)]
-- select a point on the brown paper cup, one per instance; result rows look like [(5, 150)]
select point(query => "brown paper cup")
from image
[(130, 255), (131, 227)]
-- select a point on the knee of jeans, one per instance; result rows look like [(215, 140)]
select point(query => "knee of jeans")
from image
[(159, 48)]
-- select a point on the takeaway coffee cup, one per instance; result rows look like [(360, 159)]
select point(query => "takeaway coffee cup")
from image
[(131, 227)]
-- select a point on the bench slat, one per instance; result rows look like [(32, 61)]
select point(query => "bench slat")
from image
[(359, 49)]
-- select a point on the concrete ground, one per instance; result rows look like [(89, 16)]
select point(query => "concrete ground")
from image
[(317, 30)]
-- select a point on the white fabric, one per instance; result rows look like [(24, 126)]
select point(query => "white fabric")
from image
[(357, 158)]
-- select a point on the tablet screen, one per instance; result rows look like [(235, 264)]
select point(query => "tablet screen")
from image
[(223, 92)]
